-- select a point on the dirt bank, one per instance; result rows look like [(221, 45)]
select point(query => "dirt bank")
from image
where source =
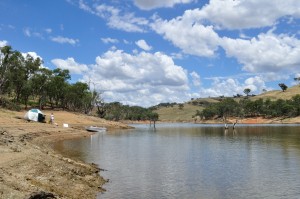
[(254, 120), (28, 165)]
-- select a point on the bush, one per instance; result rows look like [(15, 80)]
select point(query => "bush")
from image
[(6, 103)]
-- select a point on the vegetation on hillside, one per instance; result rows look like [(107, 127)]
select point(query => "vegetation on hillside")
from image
[(117, 111), (249, 108)]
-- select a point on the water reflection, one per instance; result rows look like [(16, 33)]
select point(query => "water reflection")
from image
[(196, 161)]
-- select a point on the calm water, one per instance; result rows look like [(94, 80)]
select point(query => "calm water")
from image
[(195, 161)]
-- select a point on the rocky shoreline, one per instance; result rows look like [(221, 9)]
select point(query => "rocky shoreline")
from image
[(29, 167)]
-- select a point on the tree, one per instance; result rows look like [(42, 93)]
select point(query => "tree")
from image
[(247, 91), (297, 79), (283, 86), (5, 55), (180, 106)]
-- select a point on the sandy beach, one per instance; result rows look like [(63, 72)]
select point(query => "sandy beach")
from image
[(29, 166)]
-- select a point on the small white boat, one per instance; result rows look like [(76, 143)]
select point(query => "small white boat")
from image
[(95, 129)]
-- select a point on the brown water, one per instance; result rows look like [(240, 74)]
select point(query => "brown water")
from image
[(195, 161)]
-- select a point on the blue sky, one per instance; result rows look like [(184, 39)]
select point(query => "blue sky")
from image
[(142, 52)]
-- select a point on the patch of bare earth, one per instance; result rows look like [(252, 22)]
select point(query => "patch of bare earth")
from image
[(28, 165)]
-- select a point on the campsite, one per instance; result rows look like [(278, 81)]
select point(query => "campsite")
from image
[(26, 146)]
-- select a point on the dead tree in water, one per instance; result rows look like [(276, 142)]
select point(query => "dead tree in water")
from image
[(234, 124)]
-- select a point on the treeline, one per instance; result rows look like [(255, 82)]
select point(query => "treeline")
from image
[(228, 107), (24, 81), (117, 111)]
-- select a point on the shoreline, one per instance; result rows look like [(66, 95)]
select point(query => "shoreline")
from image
[(29, 165), (250, 120)]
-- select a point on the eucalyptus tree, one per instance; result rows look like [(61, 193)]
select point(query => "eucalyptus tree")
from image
[(247, 91), (40, 85), (24, 68), (5, 64), (77, 95), (283, 86), (58, 86)]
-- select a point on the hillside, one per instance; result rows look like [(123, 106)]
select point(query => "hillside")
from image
[(185, 114), (174, 113), (278, 94)]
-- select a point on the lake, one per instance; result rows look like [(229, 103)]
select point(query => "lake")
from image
[(195, 161)]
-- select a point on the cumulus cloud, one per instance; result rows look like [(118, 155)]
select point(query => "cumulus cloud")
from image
[(71, 65), (239, 14), (65, 40), (193, 37), (148, 5), (3, 43), (143, 78), (231, 86), (266, 53), (143, 45), (34, 55)]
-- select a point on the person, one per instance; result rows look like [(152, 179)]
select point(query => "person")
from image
[(51, 118)]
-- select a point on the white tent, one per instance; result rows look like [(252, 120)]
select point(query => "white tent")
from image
[(35, 115)]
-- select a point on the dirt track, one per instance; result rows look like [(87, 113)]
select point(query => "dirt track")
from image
[(28, 165)]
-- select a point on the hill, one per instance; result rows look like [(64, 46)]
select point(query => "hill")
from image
[(176, 114), (279, 94)]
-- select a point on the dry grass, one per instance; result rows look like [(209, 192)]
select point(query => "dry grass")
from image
[(186, 114), (279, 94), (175, 114)]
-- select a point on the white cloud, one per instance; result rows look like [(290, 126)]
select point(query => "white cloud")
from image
[(63, 40), (115, 18), (256, 84), (3, 43), (34, 55), (48, 30), (193, 37), (27, 32), (108, 40), (148, 5), (144, 78), (71, 65), (266, 53), (239, 14), (195, 78), (231, 86), (143, 45)]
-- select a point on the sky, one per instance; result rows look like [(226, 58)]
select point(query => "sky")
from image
[(142, 52)]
